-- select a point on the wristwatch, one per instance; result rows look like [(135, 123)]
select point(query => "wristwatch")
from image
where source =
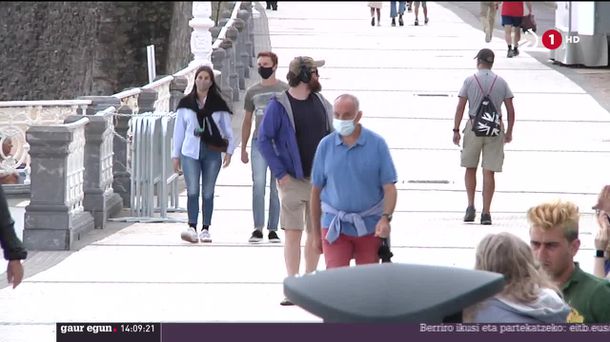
[(599, 253), (388, 216)]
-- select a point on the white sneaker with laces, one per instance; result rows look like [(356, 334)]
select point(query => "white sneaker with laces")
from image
[(190, 235), (205, 236)]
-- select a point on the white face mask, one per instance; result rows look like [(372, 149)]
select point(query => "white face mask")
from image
[(203, 84), (344, 127)]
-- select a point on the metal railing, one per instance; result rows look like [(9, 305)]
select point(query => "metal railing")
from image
[(154, 184)]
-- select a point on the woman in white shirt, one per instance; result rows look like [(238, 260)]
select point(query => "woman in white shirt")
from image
[(201, 134)]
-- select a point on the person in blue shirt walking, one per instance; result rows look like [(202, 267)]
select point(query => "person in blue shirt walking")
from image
[(353, 191)]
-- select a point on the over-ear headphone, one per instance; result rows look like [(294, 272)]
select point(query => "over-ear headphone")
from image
[(305, 74)]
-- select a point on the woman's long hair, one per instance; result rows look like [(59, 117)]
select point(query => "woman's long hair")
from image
[(214, 91), (507, 254)]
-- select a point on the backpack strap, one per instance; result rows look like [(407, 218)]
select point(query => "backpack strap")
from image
[(490, 88)]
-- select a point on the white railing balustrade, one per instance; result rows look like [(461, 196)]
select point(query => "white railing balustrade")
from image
[(129, 98), (15, 119), (76, 169), (189, 73), (107, 151), (163, 95)]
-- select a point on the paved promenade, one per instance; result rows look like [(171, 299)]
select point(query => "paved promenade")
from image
[(407, 79)]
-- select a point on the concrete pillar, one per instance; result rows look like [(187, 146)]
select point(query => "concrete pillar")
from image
[(242, 54), (246, 53), (227, 45), (233, 35), (176, 91), (247, 5), (219, 59), (100, 200), (201, 39), (55, 217), (146, 100), (121, 176), (121, 181)]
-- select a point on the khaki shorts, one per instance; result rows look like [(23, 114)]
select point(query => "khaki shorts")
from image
[(492, 148), (294, 200)]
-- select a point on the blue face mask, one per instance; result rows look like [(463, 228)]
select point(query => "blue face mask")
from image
[(344, 127)]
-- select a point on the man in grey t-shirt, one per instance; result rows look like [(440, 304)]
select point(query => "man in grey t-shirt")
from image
[(473, 90), (257, 97)]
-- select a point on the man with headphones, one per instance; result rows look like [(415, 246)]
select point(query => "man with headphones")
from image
[(293, 124)]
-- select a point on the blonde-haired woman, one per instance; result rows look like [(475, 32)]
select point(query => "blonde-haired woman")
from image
[(529, 295)]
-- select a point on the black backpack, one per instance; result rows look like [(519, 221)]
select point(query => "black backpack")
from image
[(487, 120)]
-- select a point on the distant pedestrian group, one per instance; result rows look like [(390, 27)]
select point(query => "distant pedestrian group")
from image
[(375, 8)]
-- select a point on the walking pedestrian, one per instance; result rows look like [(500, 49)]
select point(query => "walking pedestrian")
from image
[(293, 124), (423, 5), (202, 133), (399, 12), (488, 18), (255, 101), (354, 193), (475, 87), (375, 9), (512, 15)]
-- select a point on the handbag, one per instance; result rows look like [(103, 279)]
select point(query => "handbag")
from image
[(212, 140), (528, 22), (217, 148)]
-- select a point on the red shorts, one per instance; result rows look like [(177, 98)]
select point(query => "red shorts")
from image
[(338, 254)]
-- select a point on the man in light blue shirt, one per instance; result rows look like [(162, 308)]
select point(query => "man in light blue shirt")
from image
[(353, 191)]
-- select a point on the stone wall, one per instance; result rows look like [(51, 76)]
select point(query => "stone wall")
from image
[(62, 50)]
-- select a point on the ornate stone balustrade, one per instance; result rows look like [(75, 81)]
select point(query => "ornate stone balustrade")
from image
[(99, 197), (15, 119), (55, 216), (163, 96)]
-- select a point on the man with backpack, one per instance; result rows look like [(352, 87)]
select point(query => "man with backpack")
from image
[(484, 132)]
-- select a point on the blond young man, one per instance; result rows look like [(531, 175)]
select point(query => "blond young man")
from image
[(554, 242)]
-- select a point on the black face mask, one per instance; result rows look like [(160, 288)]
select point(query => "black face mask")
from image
[(265, 72)]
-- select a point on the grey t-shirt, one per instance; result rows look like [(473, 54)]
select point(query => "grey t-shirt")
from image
[(470, 89), (257, 97)]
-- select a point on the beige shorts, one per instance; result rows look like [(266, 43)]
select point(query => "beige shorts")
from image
[(294, 200), (492, 148)]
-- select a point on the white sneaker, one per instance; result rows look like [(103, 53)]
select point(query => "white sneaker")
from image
[(190, 235), (205, 236)]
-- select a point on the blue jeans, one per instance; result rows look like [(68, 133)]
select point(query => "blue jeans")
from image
[(401, 8), (259, 181), (206, 167)]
